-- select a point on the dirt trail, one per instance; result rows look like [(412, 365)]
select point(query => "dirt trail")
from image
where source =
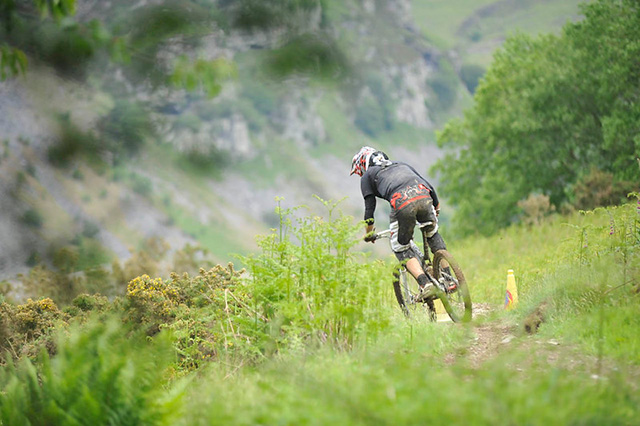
[(492, 339)]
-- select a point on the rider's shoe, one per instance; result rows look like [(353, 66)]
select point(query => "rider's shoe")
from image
[(446, 280), (426, 291), (451, 286)]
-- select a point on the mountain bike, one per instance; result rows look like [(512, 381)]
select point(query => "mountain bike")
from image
[(447, 278)]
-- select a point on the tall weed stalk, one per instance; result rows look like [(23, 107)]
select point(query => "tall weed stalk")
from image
[(311, 286)]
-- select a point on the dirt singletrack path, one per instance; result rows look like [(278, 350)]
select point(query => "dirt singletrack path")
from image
[(490, 339)]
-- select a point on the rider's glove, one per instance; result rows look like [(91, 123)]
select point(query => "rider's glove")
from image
[(370, 237)]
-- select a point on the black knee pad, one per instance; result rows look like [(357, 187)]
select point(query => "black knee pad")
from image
[(436, 242), (404, 255)]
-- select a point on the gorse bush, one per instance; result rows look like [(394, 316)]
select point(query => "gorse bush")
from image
[(26, 329), (203, 312)]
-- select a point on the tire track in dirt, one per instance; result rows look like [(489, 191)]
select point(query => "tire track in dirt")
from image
[(490, 339)]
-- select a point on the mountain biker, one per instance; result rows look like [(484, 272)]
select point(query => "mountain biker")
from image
[(412, 199)]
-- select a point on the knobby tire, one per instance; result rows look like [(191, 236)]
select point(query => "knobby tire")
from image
[(458, 303)]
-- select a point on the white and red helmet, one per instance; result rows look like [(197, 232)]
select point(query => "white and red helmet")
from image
[(360, 162)]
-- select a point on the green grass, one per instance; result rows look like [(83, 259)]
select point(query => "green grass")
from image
[(422, 373), (443, 22), (213, 236), (439, 20), (325, 342)]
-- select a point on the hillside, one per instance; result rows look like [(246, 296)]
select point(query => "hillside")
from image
[(259, 138)]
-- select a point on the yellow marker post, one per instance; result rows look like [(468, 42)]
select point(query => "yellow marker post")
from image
[(511, 297), (441, 312)]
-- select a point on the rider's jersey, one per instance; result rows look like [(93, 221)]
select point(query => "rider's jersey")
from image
[(397, 183)]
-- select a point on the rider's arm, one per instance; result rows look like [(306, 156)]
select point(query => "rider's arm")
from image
[(369, 209), (434, 197)]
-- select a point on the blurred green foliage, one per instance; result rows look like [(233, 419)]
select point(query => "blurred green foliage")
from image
[(547, 110), (125, 129), (73, 143), (100, 375), (371, 117), (316, 290), (32, 218)]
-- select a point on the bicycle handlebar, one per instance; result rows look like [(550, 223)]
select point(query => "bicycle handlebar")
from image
[(387, 232), (382, 234)]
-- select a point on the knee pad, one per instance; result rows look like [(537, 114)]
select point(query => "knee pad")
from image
[(412, 251), (404, 255), (436, 242), (395, 244), (429, 230)]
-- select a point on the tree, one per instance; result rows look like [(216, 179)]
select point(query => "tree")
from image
[(547, 110), (13, 59)]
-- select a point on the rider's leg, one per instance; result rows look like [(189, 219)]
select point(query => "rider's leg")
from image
[(404, 253), (436, 242), (428, 222), (415, 269), (403, 223)]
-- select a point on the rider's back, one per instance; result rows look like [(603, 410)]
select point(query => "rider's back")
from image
[(384, 181)]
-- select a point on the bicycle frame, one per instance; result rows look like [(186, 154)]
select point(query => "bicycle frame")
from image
[(424, 259), (449, 283)]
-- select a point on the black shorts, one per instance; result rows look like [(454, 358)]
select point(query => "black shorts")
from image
[(404, 220)]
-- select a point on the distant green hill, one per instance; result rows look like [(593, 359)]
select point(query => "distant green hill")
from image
[(474, 28)]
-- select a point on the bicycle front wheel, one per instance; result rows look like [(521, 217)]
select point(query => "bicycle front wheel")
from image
[(406, 290), (455, 296)]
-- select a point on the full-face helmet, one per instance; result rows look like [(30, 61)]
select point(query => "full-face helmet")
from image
[(366, 157), (360, 162)]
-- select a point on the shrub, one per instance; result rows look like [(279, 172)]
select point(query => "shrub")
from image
[(190, 259), (65, 259), (598, 188), (204, 313), (101, 375), (71, 143), (26, 328), (90, 229), (125, 128), (535, 208), (316, 291), (91, 254), (42, 281), (87, 302), (141, 184), (32, 218)]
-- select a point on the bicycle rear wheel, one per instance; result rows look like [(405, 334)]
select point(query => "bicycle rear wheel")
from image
[(455, 297)]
